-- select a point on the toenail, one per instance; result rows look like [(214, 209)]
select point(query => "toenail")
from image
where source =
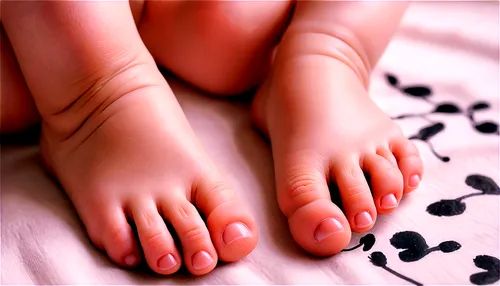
[(413, 181), (326, 228), (201, 259), (130, 260), (167, 262), (388, 201), (363, 220), (235, 231)]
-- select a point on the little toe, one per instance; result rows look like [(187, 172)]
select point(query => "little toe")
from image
[(315, 222), (117, 238), (199, 253), (356, 195), (157, 242), (232, 228), (409, 162), (386, 182)]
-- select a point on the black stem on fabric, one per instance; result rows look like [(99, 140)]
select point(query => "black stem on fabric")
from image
[(352, 248), (469, 196), (401, 276), (435, 153)]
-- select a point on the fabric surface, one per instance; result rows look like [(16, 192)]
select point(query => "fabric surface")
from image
[(439, 78)]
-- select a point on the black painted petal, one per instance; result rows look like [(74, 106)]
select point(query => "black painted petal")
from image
[(392, 79), (449, 246), (446, 208), (378, 259), (480, 105), (487, 127), (406, 239), (447, 108), (429, 131), (482, 183), (487, 262), (413, 243), (368, 241), (418, 91), (491, 275), (483, 278)]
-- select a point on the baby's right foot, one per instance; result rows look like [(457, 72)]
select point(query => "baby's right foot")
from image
[(133, 158)]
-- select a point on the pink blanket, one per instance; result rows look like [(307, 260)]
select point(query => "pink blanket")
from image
[(439, 79)]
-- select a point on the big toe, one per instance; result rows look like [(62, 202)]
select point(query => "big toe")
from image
[(409, 162), (320, 228), (315, 222), (232, 228)]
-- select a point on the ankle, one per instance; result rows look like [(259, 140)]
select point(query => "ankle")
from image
[(99, 98), (303, 41)]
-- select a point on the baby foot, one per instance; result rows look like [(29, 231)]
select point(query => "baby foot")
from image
[(137, 161), (324, 127)]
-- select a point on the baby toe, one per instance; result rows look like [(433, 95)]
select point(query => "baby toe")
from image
[(409, 162), (113, 233), (232, 228), (315, 222), (199, 253), (355, 194), (320, 228), (386, 182), (157, 242)]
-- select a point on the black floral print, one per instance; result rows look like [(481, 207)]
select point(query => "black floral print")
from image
[(413, 246)]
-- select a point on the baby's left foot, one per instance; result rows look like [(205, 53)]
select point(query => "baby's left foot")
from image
[(324, 127)]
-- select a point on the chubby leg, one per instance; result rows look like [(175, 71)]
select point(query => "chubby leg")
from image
[(324, 127), (17, 108), (222, 47), (117, 140)]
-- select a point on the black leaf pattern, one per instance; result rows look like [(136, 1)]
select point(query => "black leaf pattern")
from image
[(378, 259), (424, 92), (487, 127), (366, 241), (428, 132), (416, 248), (446, 208), (449, 246), (482, 183), (392, 80), (449, 108), (481, 105), (491, 275), (417, 91), (414, 244), (456, 207)]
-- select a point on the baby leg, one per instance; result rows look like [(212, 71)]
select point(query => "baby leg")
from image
[(222, 47), (117, 140), (17, 108), (324, 127)]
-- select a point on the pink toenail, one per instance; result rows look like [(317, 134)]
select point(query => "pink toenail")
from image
[(235, 231), (388, 201), (201, 259), (167, 262), (413, 181), (326, 228), (130, 260), (363, 220)]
